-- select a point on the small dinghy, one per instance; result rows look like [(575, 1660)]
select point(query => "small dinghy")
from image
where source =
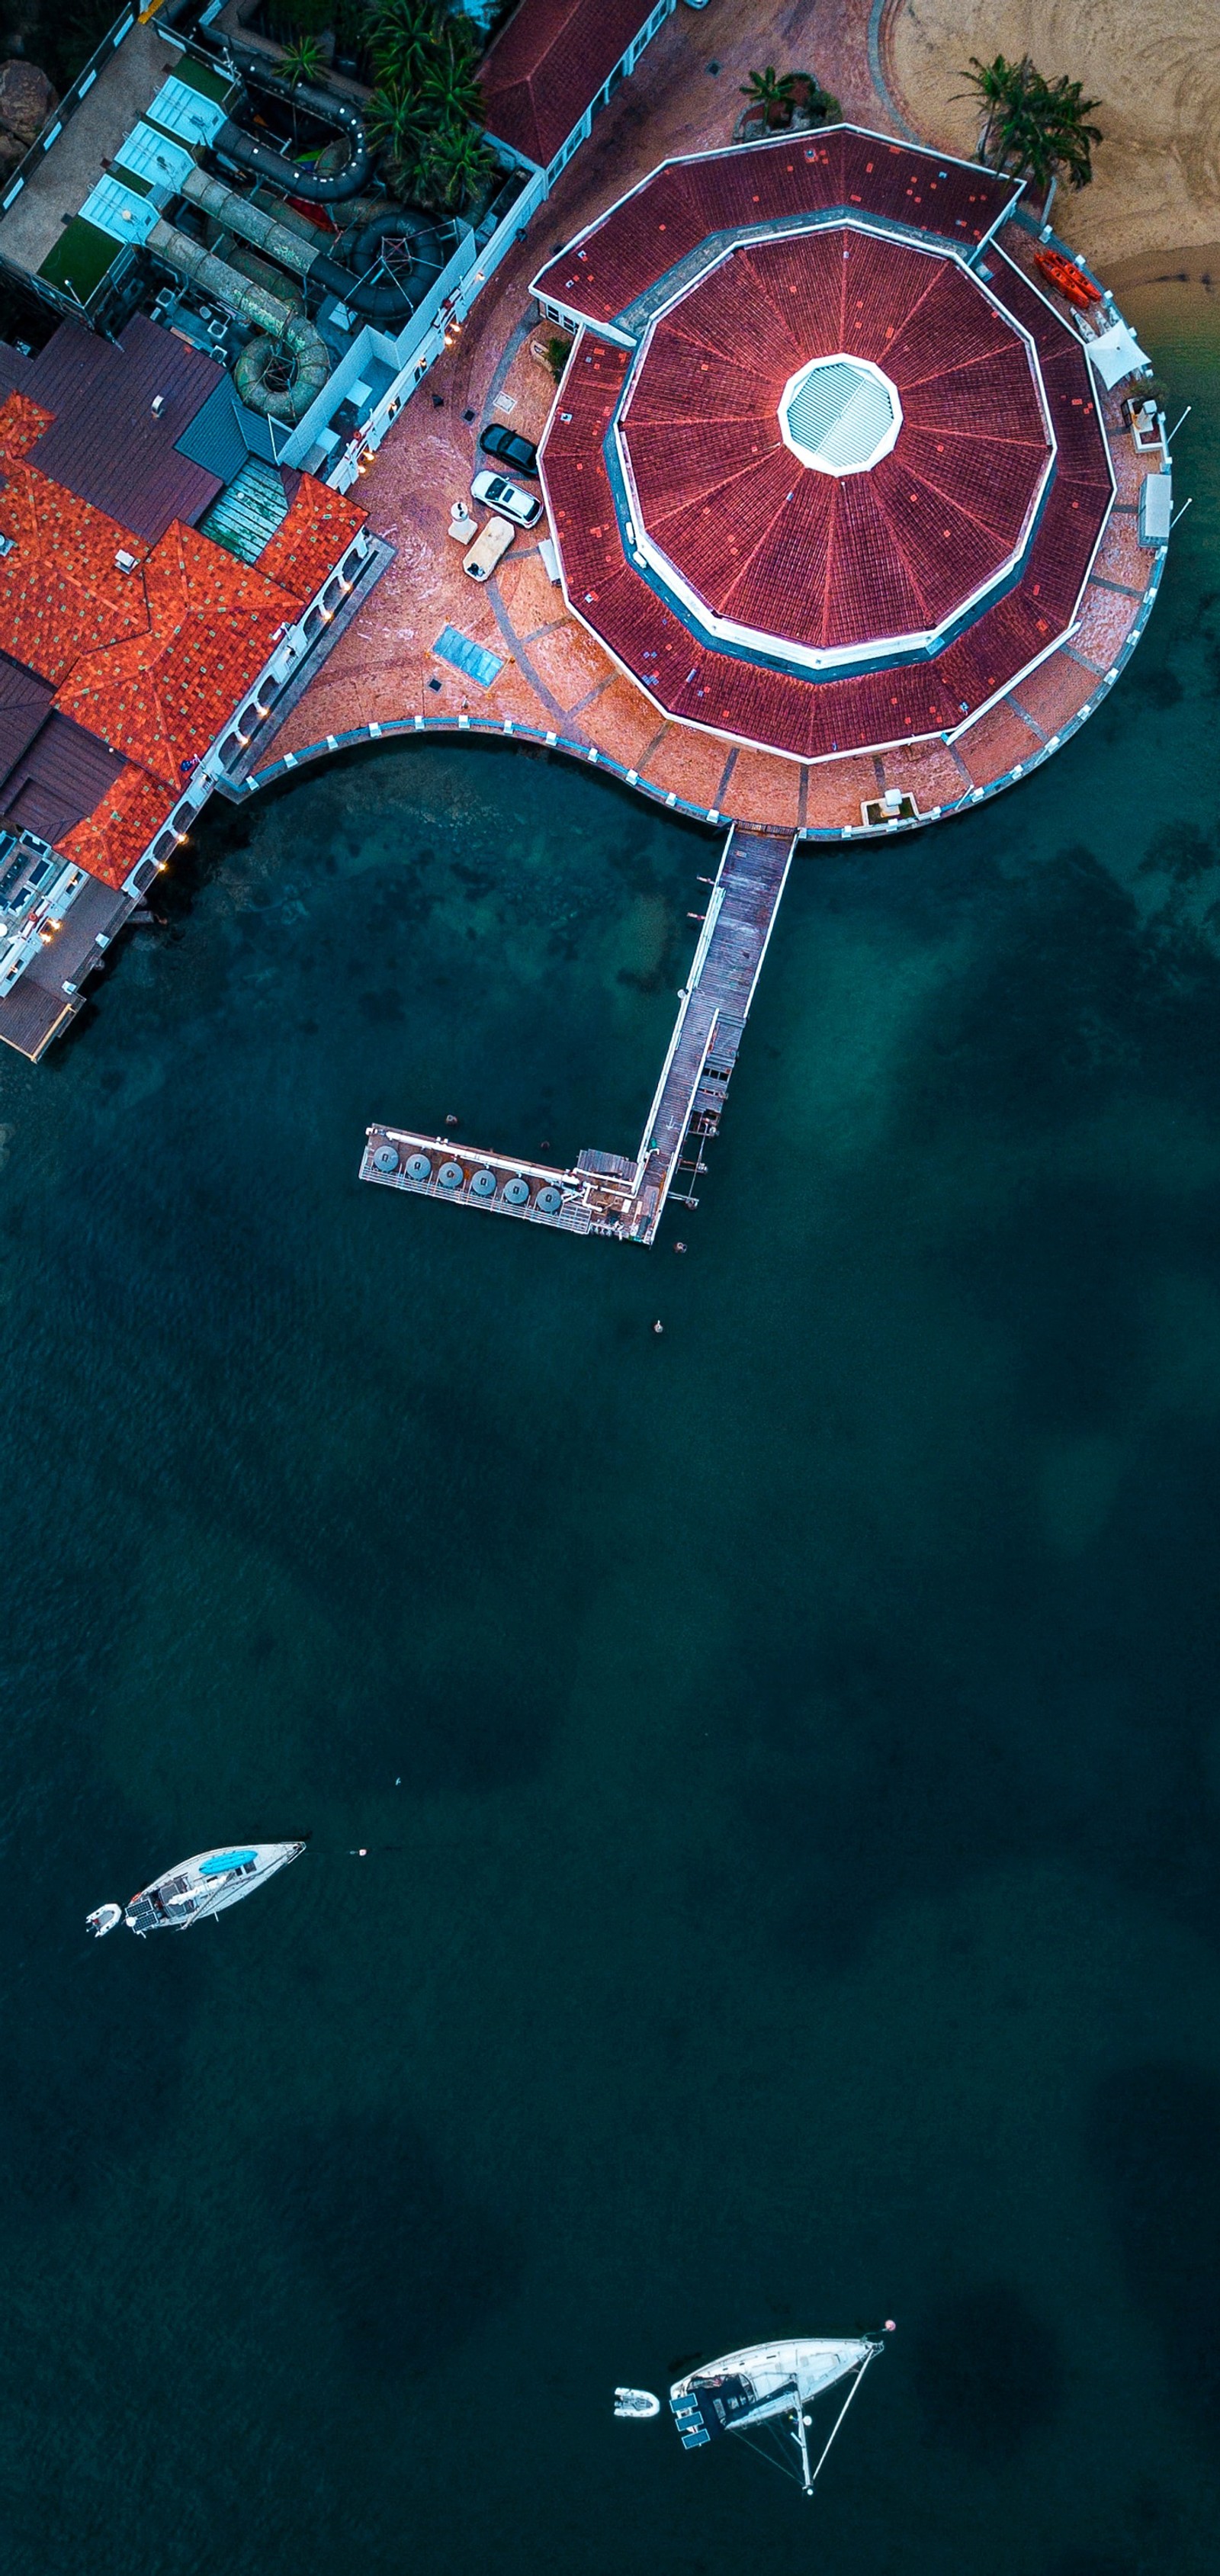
[(766, 2394), (635, 2402), (204, 1885)]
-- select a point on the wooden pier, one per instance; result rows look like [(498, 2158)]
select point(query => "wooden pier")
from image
[(607, 1194)]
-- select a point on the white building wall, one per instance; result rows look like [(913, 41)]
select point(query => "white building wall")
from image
[(415, 349), (625, 64)]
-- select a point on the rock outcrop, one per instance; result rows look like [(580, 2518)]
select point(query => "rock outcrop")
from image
[(27, 99)]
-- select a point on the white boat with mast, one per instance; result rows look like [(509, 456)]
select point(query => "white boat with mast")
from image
[(766, 2394), (204, 1885)]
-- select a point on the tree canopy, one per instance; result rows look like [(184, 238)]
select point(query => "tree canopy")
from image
[(1035, 127)]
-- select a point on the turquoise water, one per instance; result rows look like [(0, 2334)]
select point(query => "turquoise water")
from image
[(786, 1748)]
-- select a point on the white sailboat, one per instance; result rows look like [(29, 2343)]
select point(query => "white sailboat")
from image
[(766, 2394), (198, 1887)]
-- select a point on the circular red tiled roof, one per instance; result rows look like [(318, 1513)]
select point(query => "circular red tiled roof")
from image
[(833, 562), (816, 483)]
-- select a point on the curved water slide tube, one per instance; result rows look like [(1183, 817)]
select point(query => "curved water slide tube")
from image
[(299, 178), (277, 326), (385, 299)]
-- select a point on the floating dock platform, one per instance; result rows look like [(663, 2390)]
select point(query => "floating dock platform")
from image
[(608, 1194)]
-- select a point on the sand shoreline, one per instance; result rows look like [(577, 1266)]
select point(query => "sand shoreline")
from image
[(1156, 185)]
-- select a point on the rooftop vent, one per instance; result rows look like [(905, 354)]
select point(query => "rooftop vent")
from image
[(124, 561)]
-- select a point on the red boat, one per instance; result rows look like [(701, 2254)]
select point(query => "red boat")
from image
[(1070, 281)]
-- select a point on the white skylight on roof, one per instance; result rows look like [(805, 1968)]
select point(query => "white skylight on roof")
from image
[(119, 211), (840, 415), (179, 109)]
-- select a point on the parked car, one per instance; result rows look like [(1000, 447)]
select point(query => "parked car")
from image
[(510, 447), (500, 494), (491, 542)]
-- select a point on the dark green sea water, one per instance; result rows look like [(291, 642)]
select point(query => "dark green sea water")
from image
[(800, 1904)]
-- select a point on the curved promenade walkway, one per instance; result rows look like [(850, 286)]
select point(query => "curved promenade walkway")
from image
[(554, 683)]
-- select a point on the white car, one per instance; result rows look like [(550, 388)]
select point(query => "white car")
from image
[(508, 498), (492, 542)]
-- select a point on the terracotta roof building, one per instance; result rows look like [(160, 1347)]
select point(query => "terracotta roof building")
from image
[(823, 477), (551, 61), (128, 637)]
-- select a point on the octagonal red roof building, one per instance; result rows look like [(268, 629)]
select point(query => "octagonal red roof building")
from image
[(826, 471)]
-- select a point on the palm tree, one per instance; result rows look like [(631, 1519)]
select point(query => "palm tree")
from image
[(1033, 127), (405, 15), (454, 164), (427, 109), (396, 124), (772, 92), (449, 86), (302, 62), (1069, 139), (989, 88), (403, 43)]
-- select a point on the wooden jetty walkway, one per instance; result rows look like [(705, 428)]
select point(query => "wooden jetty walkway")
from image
[(608, 1194)]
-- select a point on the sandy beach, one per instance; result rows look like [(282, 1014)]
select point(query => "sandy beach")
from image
[(1156, 74)]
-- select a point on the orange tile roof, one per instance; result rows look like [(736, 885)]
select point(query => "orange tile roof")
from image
[(22, 423), (153, 661), (61, 593), (318, 529), (110, 840), (162, 696)]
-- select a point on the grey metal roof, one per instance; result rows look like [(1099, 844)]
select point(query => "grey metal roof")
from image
[(215, 438), (14, 371), (62, 775), (106, 444), (24, 701)]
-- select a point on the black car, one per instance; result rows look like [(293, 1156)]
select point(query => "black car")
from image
[(511, 449)]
